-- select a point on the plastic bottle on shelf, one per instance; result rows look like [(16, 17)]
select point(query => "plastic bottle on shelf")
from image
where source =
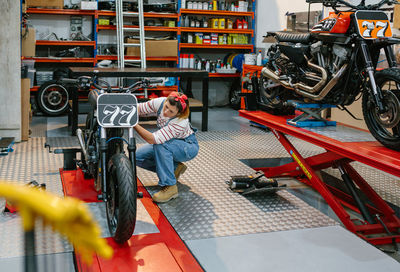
[(191, 61), (215, 5), (199, 65), (259, 58), (183, 3), (245, 25), (218, 66), (181, 61), (187, 21), (208, 66), (205, 5)]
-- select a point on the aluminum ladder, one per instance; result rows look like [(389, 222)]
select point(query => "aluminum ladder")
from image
[(122, 29)]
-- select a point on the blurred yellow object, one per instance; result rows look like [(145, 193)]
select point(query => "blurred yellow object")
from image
[(68, 216)]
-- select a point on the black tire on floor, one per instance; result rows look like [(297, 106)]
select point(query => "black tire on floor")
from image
[(121, 198), (234, 98), (52, 98), (385, 127)]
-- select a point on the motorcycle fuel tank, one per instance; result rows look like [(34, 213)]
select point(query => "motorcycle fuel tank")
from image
[(335, 23)]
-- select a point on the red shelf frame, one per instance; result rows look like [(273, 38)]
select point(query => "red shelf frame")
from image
[(145, 14), (60, 11), (223, 75), (218, 12), (146, 28), (217, 46), (106, 57), (62, 60), (66, 43), (216, 30)]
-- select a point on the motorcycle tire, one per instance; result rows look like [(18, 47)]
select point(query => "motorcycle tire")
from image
[(385, 127), (234, 98), (121, 196), (52, 98)]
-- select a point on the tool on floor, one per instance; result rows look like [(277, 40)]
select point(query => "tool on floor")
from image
[(9, 208), (257, 182), (6, 144)]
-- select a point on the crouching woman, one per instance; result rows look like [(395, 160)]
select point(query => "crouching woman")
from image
[(172, 144)]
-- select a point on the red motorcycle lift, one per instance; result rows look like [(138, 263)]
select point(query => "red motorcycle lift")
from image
[(380, 224), (162, 251)]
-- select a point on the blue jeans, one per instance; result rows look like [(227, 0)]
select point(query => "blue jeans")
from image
[(164, 158)]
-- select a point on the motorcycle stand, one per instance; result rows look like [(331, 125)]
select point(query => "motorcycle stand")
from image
[(311, 116), (253, 184)]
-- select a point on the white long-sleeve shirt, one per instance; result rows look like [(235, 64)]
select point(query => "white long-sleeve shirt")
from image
[(176, 128)]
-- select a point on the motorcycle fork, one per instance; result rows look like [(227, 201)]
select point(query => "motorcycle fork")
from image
[(391, 59), (377, 95), (103, 162), (132, 148)]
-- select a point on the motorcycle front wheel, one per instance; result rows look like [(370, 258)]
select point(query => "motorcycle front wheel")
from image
[(385, 127), (121, 198)]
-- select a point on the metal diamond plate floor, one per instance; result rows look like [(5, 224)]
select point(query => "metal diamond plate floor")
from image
[(206, 208)]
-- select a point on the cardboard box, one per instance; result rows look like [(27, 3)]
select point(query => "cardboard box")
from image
[(164, 48), (396, 16), (59, 4), (25, 108), (28, 48), (88, 5)]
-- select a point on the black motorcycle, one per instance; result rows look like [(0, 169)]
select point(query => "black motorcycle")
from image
[(336, 63), (103, 153)]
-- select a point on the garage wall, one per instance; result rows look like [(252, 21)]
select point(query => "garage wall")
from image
[(10, 75), (271, 15)]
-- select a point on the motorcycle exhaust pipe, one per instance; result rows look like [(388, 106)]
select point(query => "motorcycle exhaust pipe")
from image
[(270, 74), (81, 143), (327, 88), (309, 94)]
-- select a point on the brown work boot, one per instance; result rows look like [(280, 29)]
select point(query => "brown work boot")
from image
[(180, 169), (166, 194)]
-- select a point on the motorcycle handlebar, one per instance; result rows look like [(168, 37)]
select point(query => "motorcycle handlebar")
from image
[(360, 6), (143, 84), (69, 80), (154, 81)]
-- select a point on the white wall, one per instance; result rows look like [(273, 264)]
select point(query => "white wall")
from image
[(10, 75), (270, 15)]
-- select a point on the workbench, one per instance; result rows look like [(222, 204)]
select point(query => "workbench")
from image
[(189, 74)]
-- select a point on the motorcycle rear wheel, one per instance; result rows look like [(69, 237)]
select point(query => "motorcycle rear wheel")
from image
[(121, 196), (385, 127), (53, 98)]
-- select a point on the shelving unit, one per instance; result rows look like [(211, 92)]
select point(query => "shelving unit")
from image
[(179, 30), (217, 46), (217, 12)]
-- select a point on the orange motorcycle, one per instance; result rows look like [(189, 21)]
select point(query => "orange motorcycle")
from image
[(336, 63)]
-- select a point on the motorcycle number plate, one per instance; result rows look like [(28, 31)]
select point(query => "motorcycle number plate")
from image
[(117, 110), (373, 24)]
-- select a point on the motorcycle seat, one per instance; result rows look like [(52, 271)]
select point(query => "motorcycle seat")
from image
[(292, 37)]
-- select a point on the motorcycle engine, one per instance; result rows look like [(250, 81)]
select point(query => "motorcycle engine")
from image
[(330, 58)]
